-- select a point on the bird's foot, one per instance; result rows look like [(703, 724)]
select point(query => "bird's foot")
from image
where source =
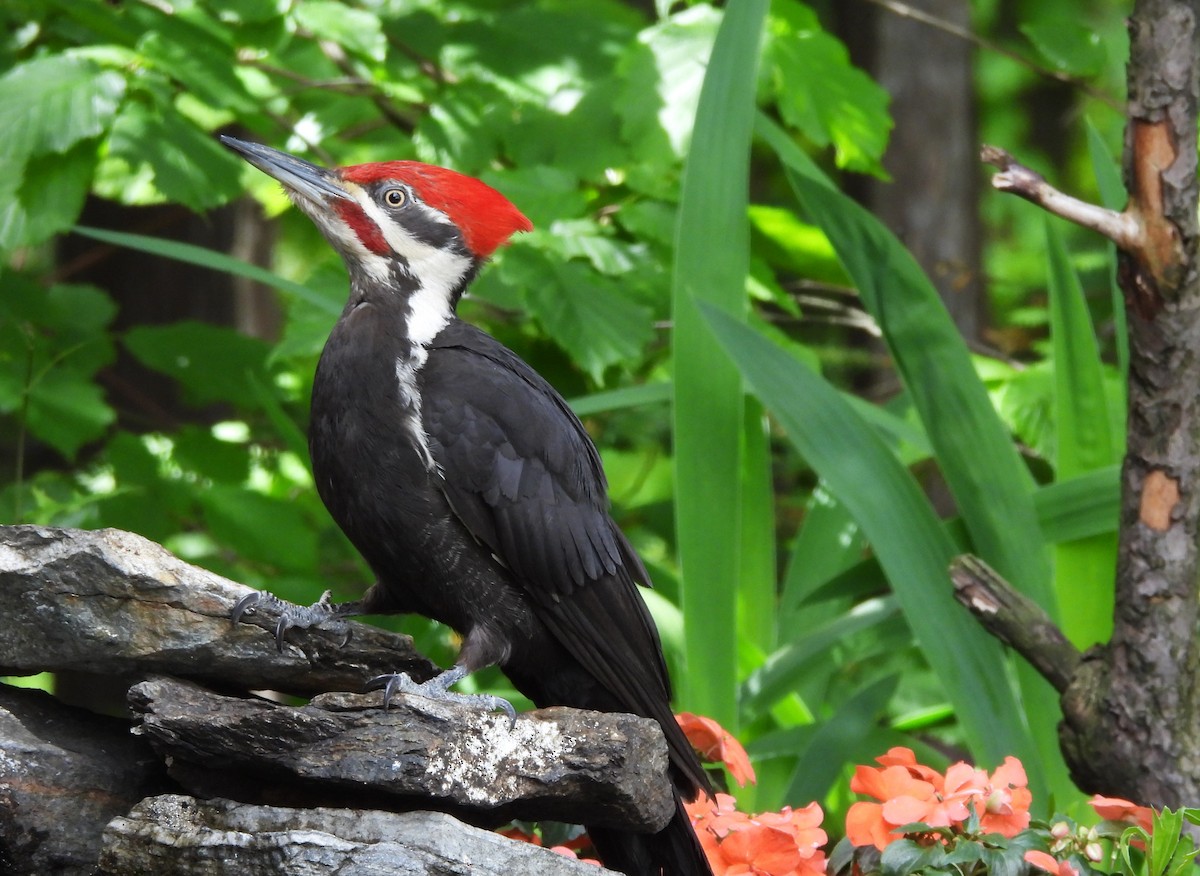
[(437, 688), (323, 612)]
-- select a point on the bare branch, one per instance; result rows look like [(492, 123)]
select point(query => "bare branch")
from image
[(1014, 619), (1017, 179)]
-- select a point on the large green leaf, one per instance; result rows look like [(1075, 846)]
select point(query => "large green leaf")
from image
[(189, 166), (1080, 507), (663, 77), (907, 537), (212, 363), (989, 481), (781, 672), (67, 409), (49, 196), (840, 740), (358, 30), (50, 104), (712, 258), (586, 313), (821, 93), (204, 63)]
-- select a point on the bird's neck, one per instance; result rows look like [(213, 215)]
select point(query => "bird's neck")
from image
[(415, 306)]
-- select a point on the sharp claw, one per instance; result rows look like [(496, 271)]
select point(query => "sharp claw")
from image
[(394, 683), (281, 628), (245, 604)]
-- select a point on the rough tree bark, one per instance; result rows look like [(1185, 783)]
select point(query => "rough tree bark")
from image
[(1131, 724)]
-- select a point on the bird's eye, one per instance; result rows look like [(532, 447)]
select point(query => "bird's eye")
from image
[(395, 197)]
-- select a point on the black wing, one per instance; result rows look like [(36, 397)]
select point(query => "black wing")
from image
[(524, 477)]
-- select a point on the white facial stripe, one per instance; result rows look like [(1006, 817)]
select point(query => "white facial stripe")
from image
[(347, 241), (440, 272)]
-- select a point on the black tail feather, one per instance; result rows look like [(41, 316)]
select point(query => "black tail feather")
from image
[(673, 851)]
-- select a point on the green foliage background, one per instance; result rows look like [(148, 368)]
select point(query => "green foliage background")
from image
[(783, 518)]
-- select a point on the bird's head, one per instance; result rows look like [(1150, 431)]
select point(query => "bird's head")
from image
[(401, 223)]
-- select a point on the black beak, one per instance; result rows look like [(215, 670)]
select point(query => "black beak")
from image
[(297, 175)]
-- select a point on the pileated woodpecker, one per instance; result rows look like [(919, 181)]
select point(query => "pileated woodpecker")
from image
[(464, 479)]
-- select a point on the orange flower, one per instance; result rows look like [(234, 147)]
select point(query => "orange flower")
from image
[(715, 745), (1116, 809), (902, 794), (785, 843), (901, 756), (1004, 804), (1050, 864), (910, 792)]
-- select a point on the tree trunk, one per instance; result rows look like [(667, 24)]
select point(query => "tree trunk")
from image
[(931, 201), (1131, 727), (1131, 723)]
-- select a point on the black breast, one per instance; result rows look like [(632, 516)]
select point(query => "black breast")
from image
[(365, 440)]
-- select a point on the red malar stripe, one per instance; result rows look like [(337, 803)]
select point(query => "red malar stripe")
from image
[(368, 232)]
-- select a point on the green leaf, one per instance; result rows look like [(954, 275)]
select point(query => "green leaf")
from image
[(260, 528), (589, 317), (821, 93), (712, 260), (50, 195), (1081, 403), (798, 246), (990, 483), (189, 166), (757, 577), (1004, 861), (67, 410), (199, 451), (1083, 571), (780, 672), (906, 856), (908, 539), (355, 29), (620, 399), (52, 103), (828, 543), (663, 78), (1164, 839), (839, 739), (201, 62), (212, 363), (1068, 44), (1080, 507)]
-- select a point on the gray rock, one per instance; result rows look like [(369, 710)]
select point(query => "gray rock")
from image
[(112, 602), (179, 836), (64, 774), (562, 764)]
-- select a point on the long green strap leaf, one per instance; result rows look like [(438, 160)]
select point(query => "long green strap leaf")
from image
[(908, 538), (712, 253), (1083, 569), (992, 487), (207, 258)]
